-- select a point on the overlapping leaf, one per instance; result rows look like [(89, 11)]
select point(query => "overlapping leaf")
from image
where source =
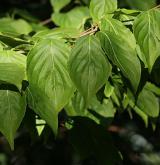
[(100, 9), (12, 110), (59, 4), (88, 66), (147, 33), (19, 26), (50, 84), (123, 55), (117, 27), (72, 19), (12, 67), (142, 4), (148, 103), (57, 33)]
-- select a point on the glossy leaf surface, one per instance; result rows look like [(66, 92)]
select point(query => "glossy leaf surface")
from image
[(48, 77), (88, 66), (122, 55), (12, 67)]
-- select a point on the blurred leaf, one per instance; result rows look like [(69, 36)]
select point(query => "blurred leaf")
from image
[(25, 15), (59, 4), (141, 4), (131, 101), (75, 18), (153, 88), (12, 41), (148, 103), (56, 33), (19, 26)]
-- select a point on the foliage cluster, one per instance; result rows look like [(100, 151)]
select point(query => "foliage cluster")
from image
[(99, 61)]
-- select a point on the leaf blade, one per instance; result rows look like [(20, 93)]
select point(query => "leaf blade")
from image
[(49, 80), (12, 110), (87, 62)]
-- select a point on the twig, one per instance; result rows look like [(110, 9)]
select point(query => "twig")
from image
[(158, 6), (89, 31), (45, 22)]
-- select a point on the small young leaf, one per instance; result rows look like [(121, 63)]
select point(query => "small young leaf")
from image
[(88, 66), (100, 8), (148, 103), (12, 110)]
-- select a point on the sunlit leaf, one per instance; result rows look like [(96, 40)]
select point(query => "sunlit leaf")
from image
[(50, 84), (122, 55), (88, 66), (100, 8), (19, 26), (145, 29), (12, 67)]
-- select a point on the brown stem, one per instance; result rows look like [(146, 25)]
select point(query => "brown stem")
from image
[(89, 31), (45, 22)]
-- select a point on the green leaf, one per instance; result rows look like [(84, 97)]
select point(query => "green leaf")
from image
[(43, 106), (12, 67), (104, 110), (148, 103), (131, 102), (56, 33), (75, 18), (19, 26), (153, 88), (122, 55), (141, 4), (88, 67), (102, 8), (76, 106), (12, 110), (90, 139), (145, 29), (96, 111), (109, 89), (12, 41), (59, 4), (50, 85), (118, 28)]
